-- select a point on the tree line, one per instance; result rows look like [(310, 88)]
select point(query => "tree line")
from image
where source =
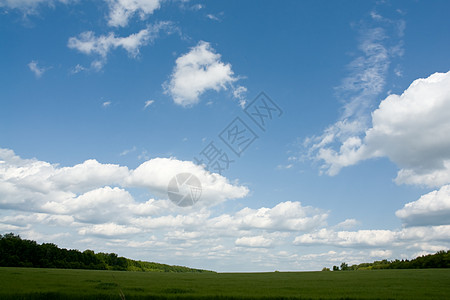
[(440, 259), (18, 252)]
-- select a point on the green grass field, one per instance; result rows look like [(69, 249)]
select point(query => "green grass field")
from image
[(27, 283)]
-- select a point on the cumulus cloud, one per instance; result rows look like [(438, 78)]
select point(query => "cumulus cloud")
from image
[(431, 209), (90, 44), (33, 185), (120, 11), (93, 205), (406, 237), (156, 173), (87, 176), (411, 129), (96, 206), (347, 224), (196, 72), (254, 241), (285, 216), (374, 238), (108, 229)]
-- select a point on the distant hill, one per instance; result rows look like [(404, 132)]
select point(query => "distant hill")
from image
[(440, 259), (18, 252)]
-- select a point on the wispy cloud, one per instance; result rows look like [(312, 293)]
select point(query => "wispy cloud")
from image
[(148, 103), (38, 71), (144, 155), (127, 151), (379, 45), (100, 46), (30, 7), (212, 17), (197, 6), (106, 103), (239, 94), (77, 69), (285, 167)]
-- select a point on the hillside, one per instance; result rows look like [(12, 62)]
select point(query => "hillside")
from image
[(18, 252)]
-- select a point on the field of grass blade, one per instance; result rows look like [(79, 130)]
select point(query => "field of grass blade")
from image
[(28, 283)]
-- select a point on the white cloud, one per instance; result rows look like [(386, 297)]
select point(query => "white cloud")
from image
[(254, 241), (30, 6), (109, 230), (376, 16), (374, 238), (195, 220), (239, 94), (92, 205), (87, 176), (155, 174), (197, 7), (89, 44), (412, 237), (128, 151), (196, 72), (148, 103), (23, 222), (347, 224), (381, 253), (431, 209), (144, 155), (77, 69), (106, 103), (411, 129), (38, 71), (33, 185), (212, 17), (120, 11), (359, 91), (285, 216), (285, 167), (96, 206)]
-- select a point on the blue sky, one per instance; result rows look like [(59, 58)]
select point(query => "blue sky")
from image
[(104, 102)]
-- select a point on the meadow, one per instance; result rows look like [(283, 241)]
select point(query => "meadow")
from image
[(33, 283)]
